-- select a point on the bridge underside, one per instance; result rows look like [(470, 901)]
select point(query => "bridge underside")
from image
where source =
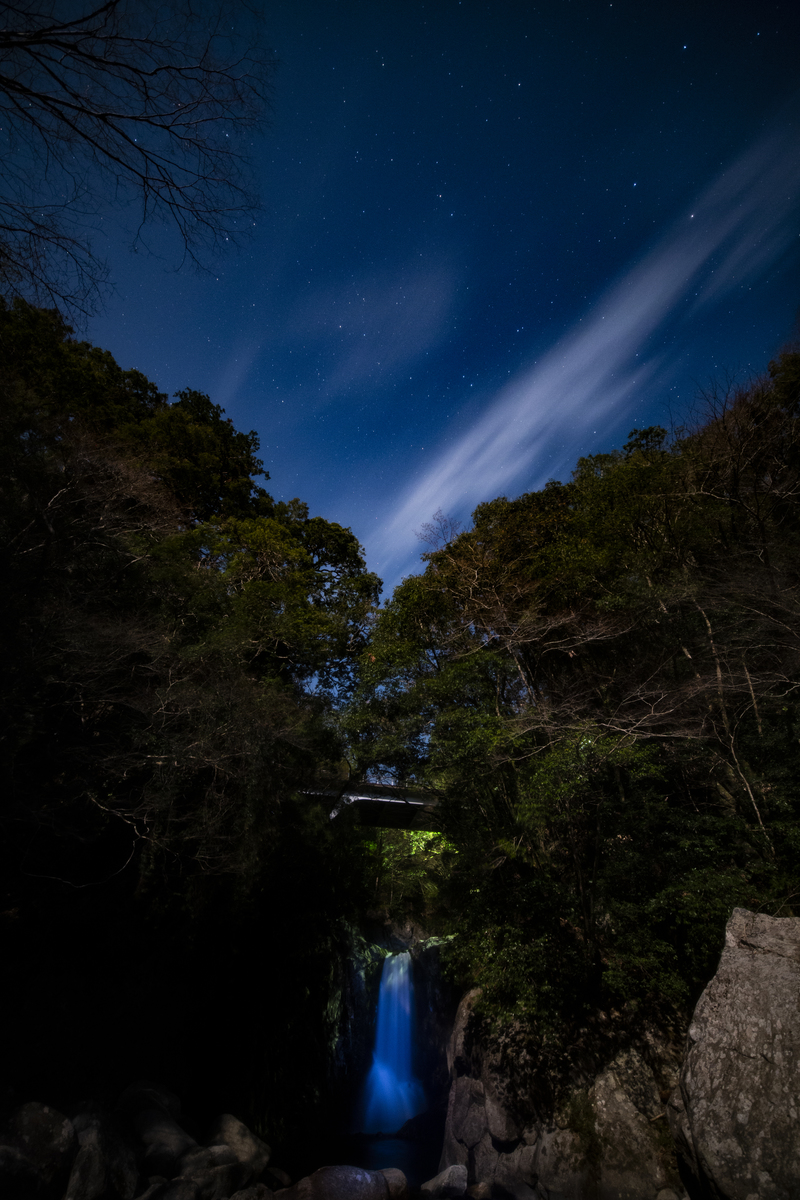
[(385, 806)]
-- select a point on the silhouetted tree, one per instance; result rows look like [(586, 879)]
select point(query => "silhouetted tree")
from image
[(126, 102)]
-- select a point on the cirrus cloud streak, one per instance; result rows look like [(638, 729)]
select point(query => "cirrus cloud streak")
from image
[(736, 230)]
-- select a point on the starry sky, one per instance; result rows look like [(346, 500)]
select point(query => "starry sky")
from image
[(496, 236)]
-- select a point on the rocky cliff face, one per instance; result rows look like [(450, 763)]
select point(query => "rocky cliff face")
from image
[(436, 1002), (351, 1013), (735, 1115), (605, 1138)]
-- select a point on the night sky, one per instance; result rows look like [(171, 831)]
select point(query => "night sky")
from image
[(496, 236)]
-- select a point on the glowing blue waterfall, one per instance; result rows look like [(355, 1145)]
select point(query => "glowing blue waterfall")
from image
[(392, 1094)]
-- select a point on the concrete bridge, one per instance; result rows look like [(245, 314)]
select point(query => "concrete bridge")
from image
[(381, 804)]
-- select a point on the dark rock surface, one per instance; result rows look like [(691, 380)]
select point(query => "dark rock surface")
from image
[(351, 1013), (247, 1149), (339, 1183), (451, 1182), (36, 1154), (165, 1142), (735, 1115), (139, 1151), (396, 1183), (435, 1003), (605, 1140), (257, 1191), (105, 1166)]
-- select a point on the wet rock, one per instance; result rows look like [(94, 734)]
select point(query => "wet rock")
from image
[(563, 1172), (87, 1180), (215, 1170), (629, 1163), (452, 1181), (458, 1051), (165, 1142), (635, 1079), (604, 1143), (175, 1189), (256, 1191), (735, 1115), (38, 1148), (396, 1182), (249, 1150), (339, 1183), (479, 1191), (105, 1166)]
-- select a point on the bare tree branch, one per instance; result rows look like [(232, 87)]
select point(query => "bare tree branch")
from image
[(127, 103)]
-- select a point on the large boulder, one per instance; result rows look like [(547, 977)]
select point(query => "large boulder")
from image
[(449, 1183), (215, 1170), (396, 1183), (37, 1148), (165, 1142), (339, 1183), (105, 1167), (735, 1114), (248, 1149)]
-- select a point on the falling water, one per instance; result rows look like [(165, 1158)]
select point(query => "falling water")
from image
[(392, 1094)]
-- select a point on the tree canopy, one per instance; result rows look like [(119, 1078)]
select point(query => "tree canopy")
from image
[(169, 630), (600, 679)]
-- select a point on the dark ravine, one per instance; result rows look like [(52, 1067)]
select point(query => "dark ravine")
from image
[(351, 1015), (733, 1110)]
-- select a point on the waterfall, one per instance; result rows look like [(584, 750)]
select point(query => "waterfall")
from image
[(391, 1093)]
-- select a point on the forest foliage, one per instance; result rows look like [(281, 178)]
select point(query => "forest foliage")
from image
[(170, 632), (172, 637), (599, 679)]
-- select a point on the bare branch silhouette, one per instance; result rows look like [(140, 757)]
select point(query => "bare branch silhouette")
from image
[(126, 104)]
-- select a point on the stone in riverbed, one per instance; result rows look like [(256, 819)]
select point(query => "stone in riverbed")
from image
[(37, 1150), (174, 1189), (451, 1182), (480, 1191), (397, 1183), (339, 1183), (256, 1191), (105, 1167), (249, 1149), (215, 1172), (165, 1142)]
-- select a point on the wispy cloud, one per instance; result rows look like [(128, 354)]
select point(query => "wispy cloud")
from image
[(378, 324), (734, 232), (351, 338)]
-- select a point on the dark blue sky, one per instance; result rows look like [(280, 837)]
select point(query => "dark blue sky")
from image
[(496, 236)]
